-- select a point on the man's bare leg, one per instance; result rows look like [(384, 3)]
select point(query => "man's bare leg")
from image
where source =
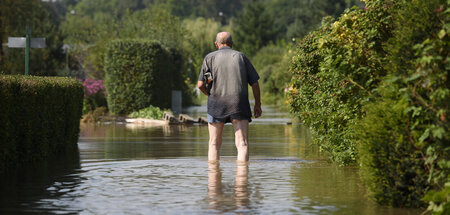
[(241, 138), (215, 140)]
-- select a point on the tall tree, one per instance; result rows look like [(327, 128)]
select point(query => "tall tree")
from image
[(297, 18), (254, 28), (117, 8), (220, 10)]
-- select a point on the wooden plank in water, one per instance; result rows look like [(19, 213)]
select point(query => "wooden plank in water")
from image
[(168, 117), (202, 120), (184, 118)]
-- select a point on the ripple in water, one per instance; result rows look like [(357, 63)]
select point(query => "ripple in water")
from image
[(181, 186)]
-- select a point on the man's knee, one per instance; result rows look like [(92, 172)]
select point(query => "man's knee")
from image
[(215, 141), (241, 144)]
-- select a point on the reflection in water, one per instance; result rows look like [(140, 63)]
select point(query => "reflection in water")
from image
[(22, 188), (217, 199), (120, 142), (215, 192), (241, 186)]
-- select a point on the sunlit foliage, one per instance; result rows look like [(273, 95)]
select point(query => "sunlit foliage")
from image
[(373, 85)]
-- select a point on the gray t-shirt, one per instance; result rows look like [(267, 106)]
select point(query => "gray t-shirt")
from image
[(232, 72)]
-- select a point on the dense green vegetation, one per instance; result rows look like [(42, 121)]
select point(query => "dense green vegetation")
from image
[(90, 34), (150, 112), (335, 71), (273, 63), (189, 26), (417, 88), (40, 118), (373, 85), (140, 73), (270, 48), (372, 82), (254, 28)]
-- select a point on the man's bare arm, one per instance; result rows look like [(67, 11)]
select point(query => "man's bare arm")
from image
[(202, 87), (257, 111)]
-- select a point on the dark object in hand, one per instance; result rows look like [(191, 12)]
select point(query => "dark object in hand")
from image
[(209, 82)]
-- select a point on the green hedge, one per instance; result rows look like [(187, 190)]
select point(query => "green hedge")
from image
[(39, 118), (140, 73), (391, 166), (374, 86), (335, 70), (404, 137)]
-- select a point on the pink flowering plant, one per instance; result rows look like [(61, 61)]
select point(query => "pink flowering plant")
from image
[(92, 87), (94, 94)]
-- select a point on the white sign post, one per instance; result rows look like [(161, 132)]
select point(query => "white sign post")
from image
[(27, 43)]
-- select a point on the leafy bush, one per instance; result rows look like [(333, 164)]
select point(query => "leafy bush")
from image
[(377, 80), (439, 200), (150, 112), (140, 73), (391, 166), (95, 25), (94, 116), (418, 81), (40, 118), (335, 71), (94, 95)]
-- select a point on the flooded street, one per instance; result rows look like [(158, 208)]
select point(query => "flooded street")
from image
[(126, 169)]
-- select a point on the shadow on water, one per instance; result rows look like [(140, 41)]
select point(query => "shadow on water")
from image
[(22, 188)]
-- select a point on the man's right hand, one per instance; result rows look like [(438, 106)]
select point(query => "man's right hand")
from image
[(256, 93), (201, 86)]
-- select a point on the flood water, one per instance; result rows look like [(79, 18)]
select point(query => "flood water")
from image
[(125, 169)]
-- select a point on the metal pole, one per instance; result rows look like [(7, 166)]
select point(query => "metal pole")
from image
[(27, 51)]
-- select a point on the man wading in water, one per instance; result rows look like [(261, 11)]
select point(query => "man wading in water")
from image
[(223, 78)]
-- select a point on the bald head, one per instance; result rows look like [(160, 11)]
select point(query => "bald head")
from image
[(224, 38)]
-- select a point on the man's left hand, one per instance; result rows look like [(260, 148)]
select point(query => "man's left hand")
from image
[(257, 111)]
